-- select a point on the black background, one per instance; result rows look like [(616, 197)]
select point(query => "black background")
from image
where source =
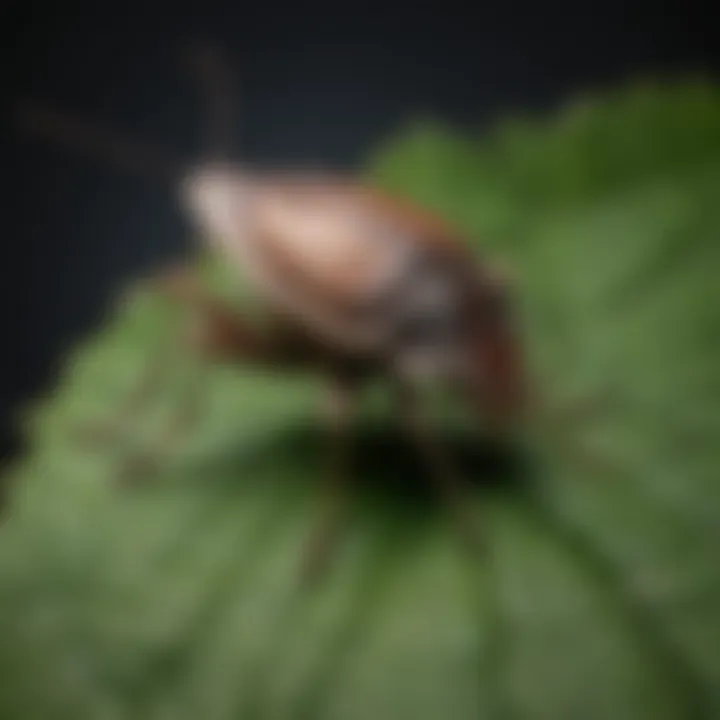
[(319, 84)]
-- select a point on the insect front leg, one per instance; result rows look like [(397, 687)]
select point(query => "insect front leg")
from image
[(340, 411), (216, 333), (115, 431), (450, 484), (147, 386), (186, 412), (213, 333), (103, 431)]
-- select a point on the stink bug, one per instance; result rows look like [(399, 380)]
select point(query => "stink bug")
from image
[(358, 284)]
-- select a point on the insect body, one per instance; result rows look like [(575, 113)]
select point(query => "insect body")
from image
[(372, 276), (357, 283)]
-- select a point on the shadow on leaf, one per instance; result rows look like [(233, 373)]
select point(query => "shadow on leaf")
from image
[(386, 466)]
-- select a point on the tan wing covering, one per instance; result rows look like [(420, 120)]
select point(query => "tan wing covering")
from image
[(323, 250), (329, 249), (332, 237)]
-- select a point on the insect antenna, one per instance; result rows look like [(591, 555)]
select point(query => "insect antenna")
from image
[(69, 131), (75, 133), (215, 83)]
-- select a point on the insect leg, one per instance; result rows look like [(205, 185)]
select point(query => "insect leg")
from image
[(186, 415), (324, 534), (217, 334), (175, 284), (103, 431), (451, 485)]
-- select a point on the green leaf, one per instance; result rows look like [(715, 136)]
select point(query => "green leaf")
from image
[(598, 596)]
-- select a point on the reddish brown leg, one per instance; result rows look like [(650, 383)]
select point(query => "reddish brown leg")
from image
[(218, 334), (451, 485), (324, 535), (105, 430), (140, 465)]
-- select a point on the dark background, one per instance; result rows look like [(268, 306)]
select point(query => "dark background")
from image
[(319, 84)]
